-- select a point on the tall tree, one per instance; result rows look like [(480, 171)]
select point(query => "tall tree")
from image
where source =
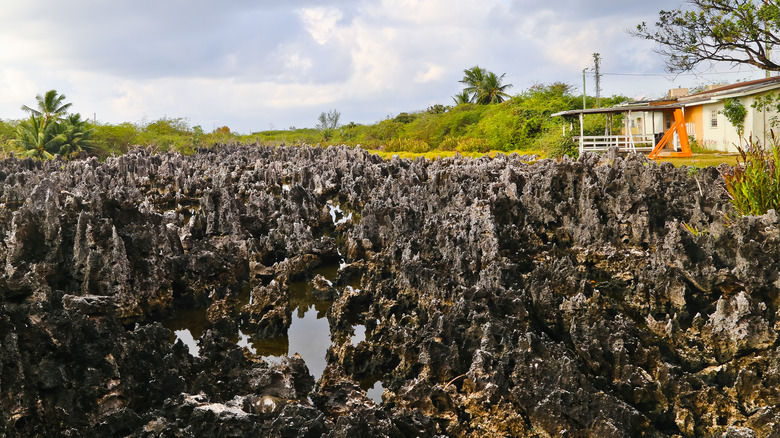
[(491, 89), (472, 78), (51, 130), (734, 31), (37, 138), (483, 86), (328, 120), (76, 135), (462, 97), (51, 107)]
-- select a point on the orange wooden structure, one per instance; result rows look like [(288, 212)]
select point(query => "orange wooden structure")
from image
[(677, 127)]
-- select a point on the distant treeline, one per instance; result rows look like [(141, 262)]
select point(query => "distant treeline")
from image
[(520, 123)]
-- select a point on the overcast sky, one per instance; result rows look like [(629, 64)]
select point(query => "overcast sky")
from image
[(256, 65)]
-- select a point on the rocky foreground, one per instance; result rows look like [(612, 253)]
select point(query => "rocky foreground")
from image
[(603, 297)]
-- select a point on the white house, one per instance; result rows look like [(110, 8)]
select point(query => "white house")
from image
[(710, 128), (647, 123)]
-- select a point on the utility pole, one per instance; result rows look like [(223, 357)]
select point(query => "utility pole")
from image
[(584, 104), (768, 48), (597, 69)]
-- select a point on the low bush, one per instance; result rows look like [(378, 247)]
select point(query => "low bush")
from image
[(754, 183), (557, 145), (472, 144), (407, 145)]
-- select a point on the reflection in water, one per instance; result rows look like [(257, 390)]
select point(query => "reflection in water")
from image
[(337, 214), (188, 325), (271, 347), (308, 335), (309, 332), (186, 337), (360, 334), (375, 392), (244, 341)]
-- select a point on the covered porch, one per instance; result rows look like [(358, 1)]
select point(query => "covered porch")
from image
[(658, 130)]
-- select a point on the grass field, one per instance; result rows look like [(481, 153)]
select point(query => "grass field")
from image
[(704, 160), (432, 155), (698, 160)]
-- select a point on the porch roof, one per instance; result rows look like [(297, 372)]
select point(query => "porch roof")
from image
[(643, 106)]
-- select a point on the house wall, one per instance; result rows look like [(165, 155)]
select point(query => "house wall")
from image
[(721, 137), (695, 116), (642, 122), (760, 126), (654, 122), (724, 137)]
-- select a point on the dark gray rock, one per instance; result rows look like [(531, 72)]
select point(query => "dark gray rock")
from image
[(598, 297)]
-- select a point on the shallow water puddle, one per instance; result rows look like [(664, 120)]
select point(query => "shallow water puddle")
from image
[(309, 332), (308, 335), (186, 337), (360, 334), (188, 325), (337, 214), (244, 341), (375, 392)]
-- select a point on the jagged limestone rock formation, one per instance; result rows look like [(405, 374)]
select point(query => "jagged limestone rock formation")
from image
[(600, 297)]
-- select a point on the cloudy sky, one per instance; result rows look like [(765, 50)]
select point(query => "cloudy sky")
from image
[(257, 65)]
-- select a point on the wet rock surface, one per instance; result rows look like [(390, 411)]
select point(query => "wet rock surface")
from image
[(602, 297)]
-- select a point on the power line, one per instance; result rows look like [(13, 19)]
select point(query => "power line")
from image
[(679, 74)]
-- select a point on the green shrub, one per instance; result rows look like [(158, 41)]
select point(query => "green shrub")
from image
[(472, 144), (407, 145), (449, 143), (754, 183), (404, 118), (115, 139), (7, 133), (735, 112), (385, 130), (557, 145)]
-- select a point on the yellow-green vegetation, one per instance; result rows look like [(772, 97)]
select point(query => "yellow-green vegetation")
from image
[(7, 133), (432, 155), (704, 160), (521, 123)]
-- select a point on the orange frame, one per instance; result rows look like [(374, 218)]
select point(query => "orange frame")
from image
[(679, 127)]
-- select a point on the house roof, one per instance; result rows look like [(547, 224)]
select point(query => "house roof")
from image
[(739, 89), (713, 95), (634, 106)]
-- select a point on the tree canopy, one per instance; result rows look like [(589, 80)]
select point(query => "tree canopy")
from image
[(51, 106), (482, 87), (51, 130), (734, 31)]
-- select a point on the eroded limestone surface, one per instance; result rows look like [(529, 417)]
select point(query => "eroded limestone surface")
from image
[(601, 297)]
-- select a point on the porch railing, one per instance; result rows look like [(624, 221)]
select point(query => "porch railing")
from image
[(632, 143)]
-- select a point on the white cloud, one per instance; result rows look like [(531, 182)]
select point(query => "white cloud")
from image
[(321, 22), (433, 73), (249, 64)]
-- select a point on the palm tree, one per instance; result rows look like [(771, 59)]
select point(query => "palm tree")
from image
[(76, 136), (490, 90), (51, 130), (38, 138), (50, 106), (482, 86), (461, 98), (472, 77)]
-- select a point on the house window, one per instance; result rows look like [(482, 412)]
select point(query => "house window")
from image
[(713, 118)]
